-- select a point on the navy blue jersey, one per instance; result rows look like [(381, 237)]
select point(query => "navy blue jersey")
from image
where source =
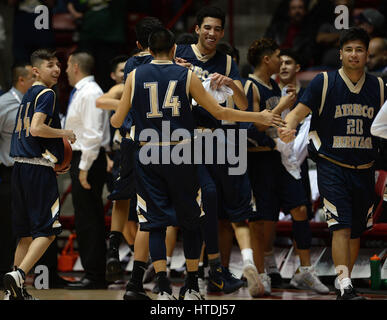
[(204, 67), (160, 92), (131, 64), (38, 98), (269, 97), (342, 114)]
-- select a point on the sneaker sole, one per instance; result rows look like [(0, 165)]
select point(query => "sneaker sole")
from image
[(255, 286), (13, 289), (305, 287)]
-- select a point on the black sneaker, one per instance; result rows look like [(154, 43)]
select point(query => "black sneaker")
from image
[(114, 269), (276, 279), (156, 289), (134, 293), (223, 281), (349, 294), (14, 283)]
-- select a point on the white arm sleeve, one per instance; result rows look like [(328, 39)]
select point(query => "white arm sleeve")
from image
[(379, 126)]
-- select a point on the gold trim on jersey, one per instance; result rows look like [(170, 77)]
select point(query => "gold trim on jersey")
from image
[(39, 83), (133, 85), (259, 149), (381, 83), (253, 76), (187, 85), (161, 62), (349, 166), (247, 86), (324, 92), (143, 54), (315, 139), (199, 55), (228, 65), (353, 88), (164, 143)]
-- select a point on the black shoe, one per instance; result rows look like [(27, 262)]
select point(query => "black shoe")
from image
[(114, 269), (156, 289), (276, 279), (134, 293), (149, 274), (86, 284), (223, 281), (349, 294)]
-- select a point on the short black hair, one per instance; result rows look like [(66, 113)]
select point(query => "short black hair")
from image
[(85, 61), (187, 38), (290, 53), (40, 55), (19, 70), (259, 48), (212, 12), (353, 34), (227, 48), (116, 61), (161, 40), (144, 28)]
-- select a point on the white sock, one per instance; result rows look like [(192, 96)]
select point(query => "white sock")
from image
[(169, 259), (247, 255), (344, 283)]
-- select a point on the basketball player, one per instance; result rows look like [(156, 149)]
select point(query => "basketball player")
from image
[(36, 146), (160, 91), (233, 192), (344, 104)]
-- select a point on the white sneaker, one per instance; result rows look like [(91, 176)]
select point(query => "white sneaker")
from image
[(193, 295), (266, 281), (13, 283), (202, 286), (308, 279), (254, 283), (165, 296)]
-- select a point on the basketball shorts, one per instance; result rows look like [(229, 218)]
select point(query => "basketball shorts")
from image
[(348, 196), (167, 195), (274, 188), (124, 183), (233, 190), (35, 201)]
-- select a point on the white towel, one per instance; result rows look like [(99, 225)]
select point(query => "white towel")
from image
[(221, 94)]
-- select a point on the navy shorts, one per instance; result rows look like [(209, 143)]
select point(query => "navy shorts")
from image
[(167, 195), (274, 188), (348, 196), (233, 191), (35, 201), (124, 186)]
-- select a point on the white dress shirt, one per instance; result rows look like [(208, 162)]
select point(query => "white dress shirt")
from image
[(89, 123), (379, 126)]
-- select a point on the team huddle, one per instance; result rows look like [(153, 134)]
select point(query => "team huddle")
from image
[(198, 86)]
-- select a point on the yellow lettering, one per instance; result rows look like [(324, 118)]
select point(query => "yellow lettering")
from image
[(338, 113)]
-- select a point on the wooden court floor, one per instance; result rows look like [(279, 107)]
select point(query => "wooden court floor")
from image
[(116, 292)]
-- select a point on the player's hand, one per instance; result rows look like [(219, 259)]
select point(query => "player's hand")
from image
[(109, 164), (83, 179), (286, 135), (70, 135), (268, 118), (64, 170), (291, 88), (182, 62), (218, 80), (289, 100)]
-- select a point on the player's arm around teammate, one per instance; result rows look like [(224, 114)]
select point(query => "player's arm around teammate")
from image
[(109, 100)]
